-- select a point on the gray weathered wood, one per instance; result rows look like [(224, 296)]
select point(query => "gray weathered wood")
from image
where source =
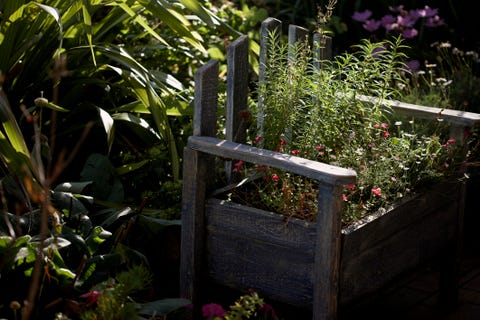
[(205, 100), (269, 26), (327, 252), (322, 172), (237, 90), (237, 113), (296, 36), (197, 175), (322, 50)]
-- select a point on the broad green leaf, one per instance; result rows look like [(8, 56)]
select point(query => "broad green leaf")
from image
[(129, 167), (108, 126)]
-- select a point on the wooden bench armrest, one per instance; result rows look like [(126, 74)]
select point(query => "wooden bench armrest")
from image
[(312, 169)]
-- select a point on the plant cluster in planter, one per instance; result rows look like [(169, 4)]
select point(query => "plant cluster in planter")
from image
[(322, 115)]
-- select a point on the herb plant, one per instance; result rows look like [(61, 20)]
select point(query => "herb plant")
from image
[(319, 114)]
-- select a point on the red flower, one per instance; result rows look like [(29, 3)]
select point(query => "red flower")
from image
[(275, 177), (238, 165), (386, 134), (319, 148), (213, 310), (295, 152), (283, 142), (92, 297), (377, 191), (351, 187), (257, 140), (245, 115)]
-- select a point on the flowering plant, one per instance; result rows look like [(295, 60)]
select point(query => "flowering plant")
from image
[(401, 21), (318, 114)]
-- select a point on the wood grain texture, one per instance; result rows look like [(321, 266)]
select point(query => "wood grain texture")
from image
[(322, 172)]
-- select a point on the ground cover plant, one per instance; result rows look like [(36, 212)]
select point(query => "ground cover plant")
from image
[(318, 114)]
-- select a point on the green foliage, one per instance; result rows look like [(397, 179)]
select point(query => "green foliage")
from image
[(317, 114)]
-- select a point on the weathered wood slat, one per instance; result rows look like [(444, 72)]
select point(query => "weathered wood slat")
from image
[(237, 90), (197, 175), (327, 252), (322, 50), (269, 25), (205, 100), (322, 172), (456, 117)]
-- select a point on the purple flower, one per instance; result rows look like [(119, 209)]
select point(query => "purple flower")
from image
[(409, 33), (371, 25), (413, 65), (434, 22), (427, 12), (388, 22), (361, 16), (407, 21), (213, 310)]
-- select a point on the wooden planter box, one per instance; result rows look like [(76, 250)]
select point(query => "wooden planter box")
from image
[(315, 265), (251, 248)]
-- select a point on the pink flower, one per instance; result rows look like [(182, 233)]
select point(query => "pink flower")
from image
[(238, 165), (213, 310), (384, 125), (275, 177), (344, 197), (268, 310), (377, 191), (451, 140), (386, 134), (295, 152), (351, 187), (257, 140), (92, 297), (318, 148)]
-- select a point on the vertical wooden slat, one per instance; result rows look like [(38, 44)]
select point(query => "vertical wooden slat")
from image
[(296, 35), (327, 253), (197, 174), (237, 89), (237, 94), (322, 50), (269, 25), (205, 100)]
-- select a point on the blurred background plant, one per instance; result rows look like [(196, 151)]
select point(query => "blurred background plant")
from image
[(92, 123)]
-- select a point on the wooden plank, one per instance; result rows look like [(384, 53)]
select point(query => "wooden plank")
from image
[(197, 175), (251, 248), (456, 117), (327, 253), (322, 172), (192, 237), (205, 100), (237, 90), (237, 112), (269, 25), (296, 36), (322, 50)]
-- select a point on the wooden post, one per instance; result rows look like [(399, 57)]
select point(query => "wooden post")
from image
[(322, 50), (237, 94), (327, 252), (197, 173), (296, 36), (269, 25)]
